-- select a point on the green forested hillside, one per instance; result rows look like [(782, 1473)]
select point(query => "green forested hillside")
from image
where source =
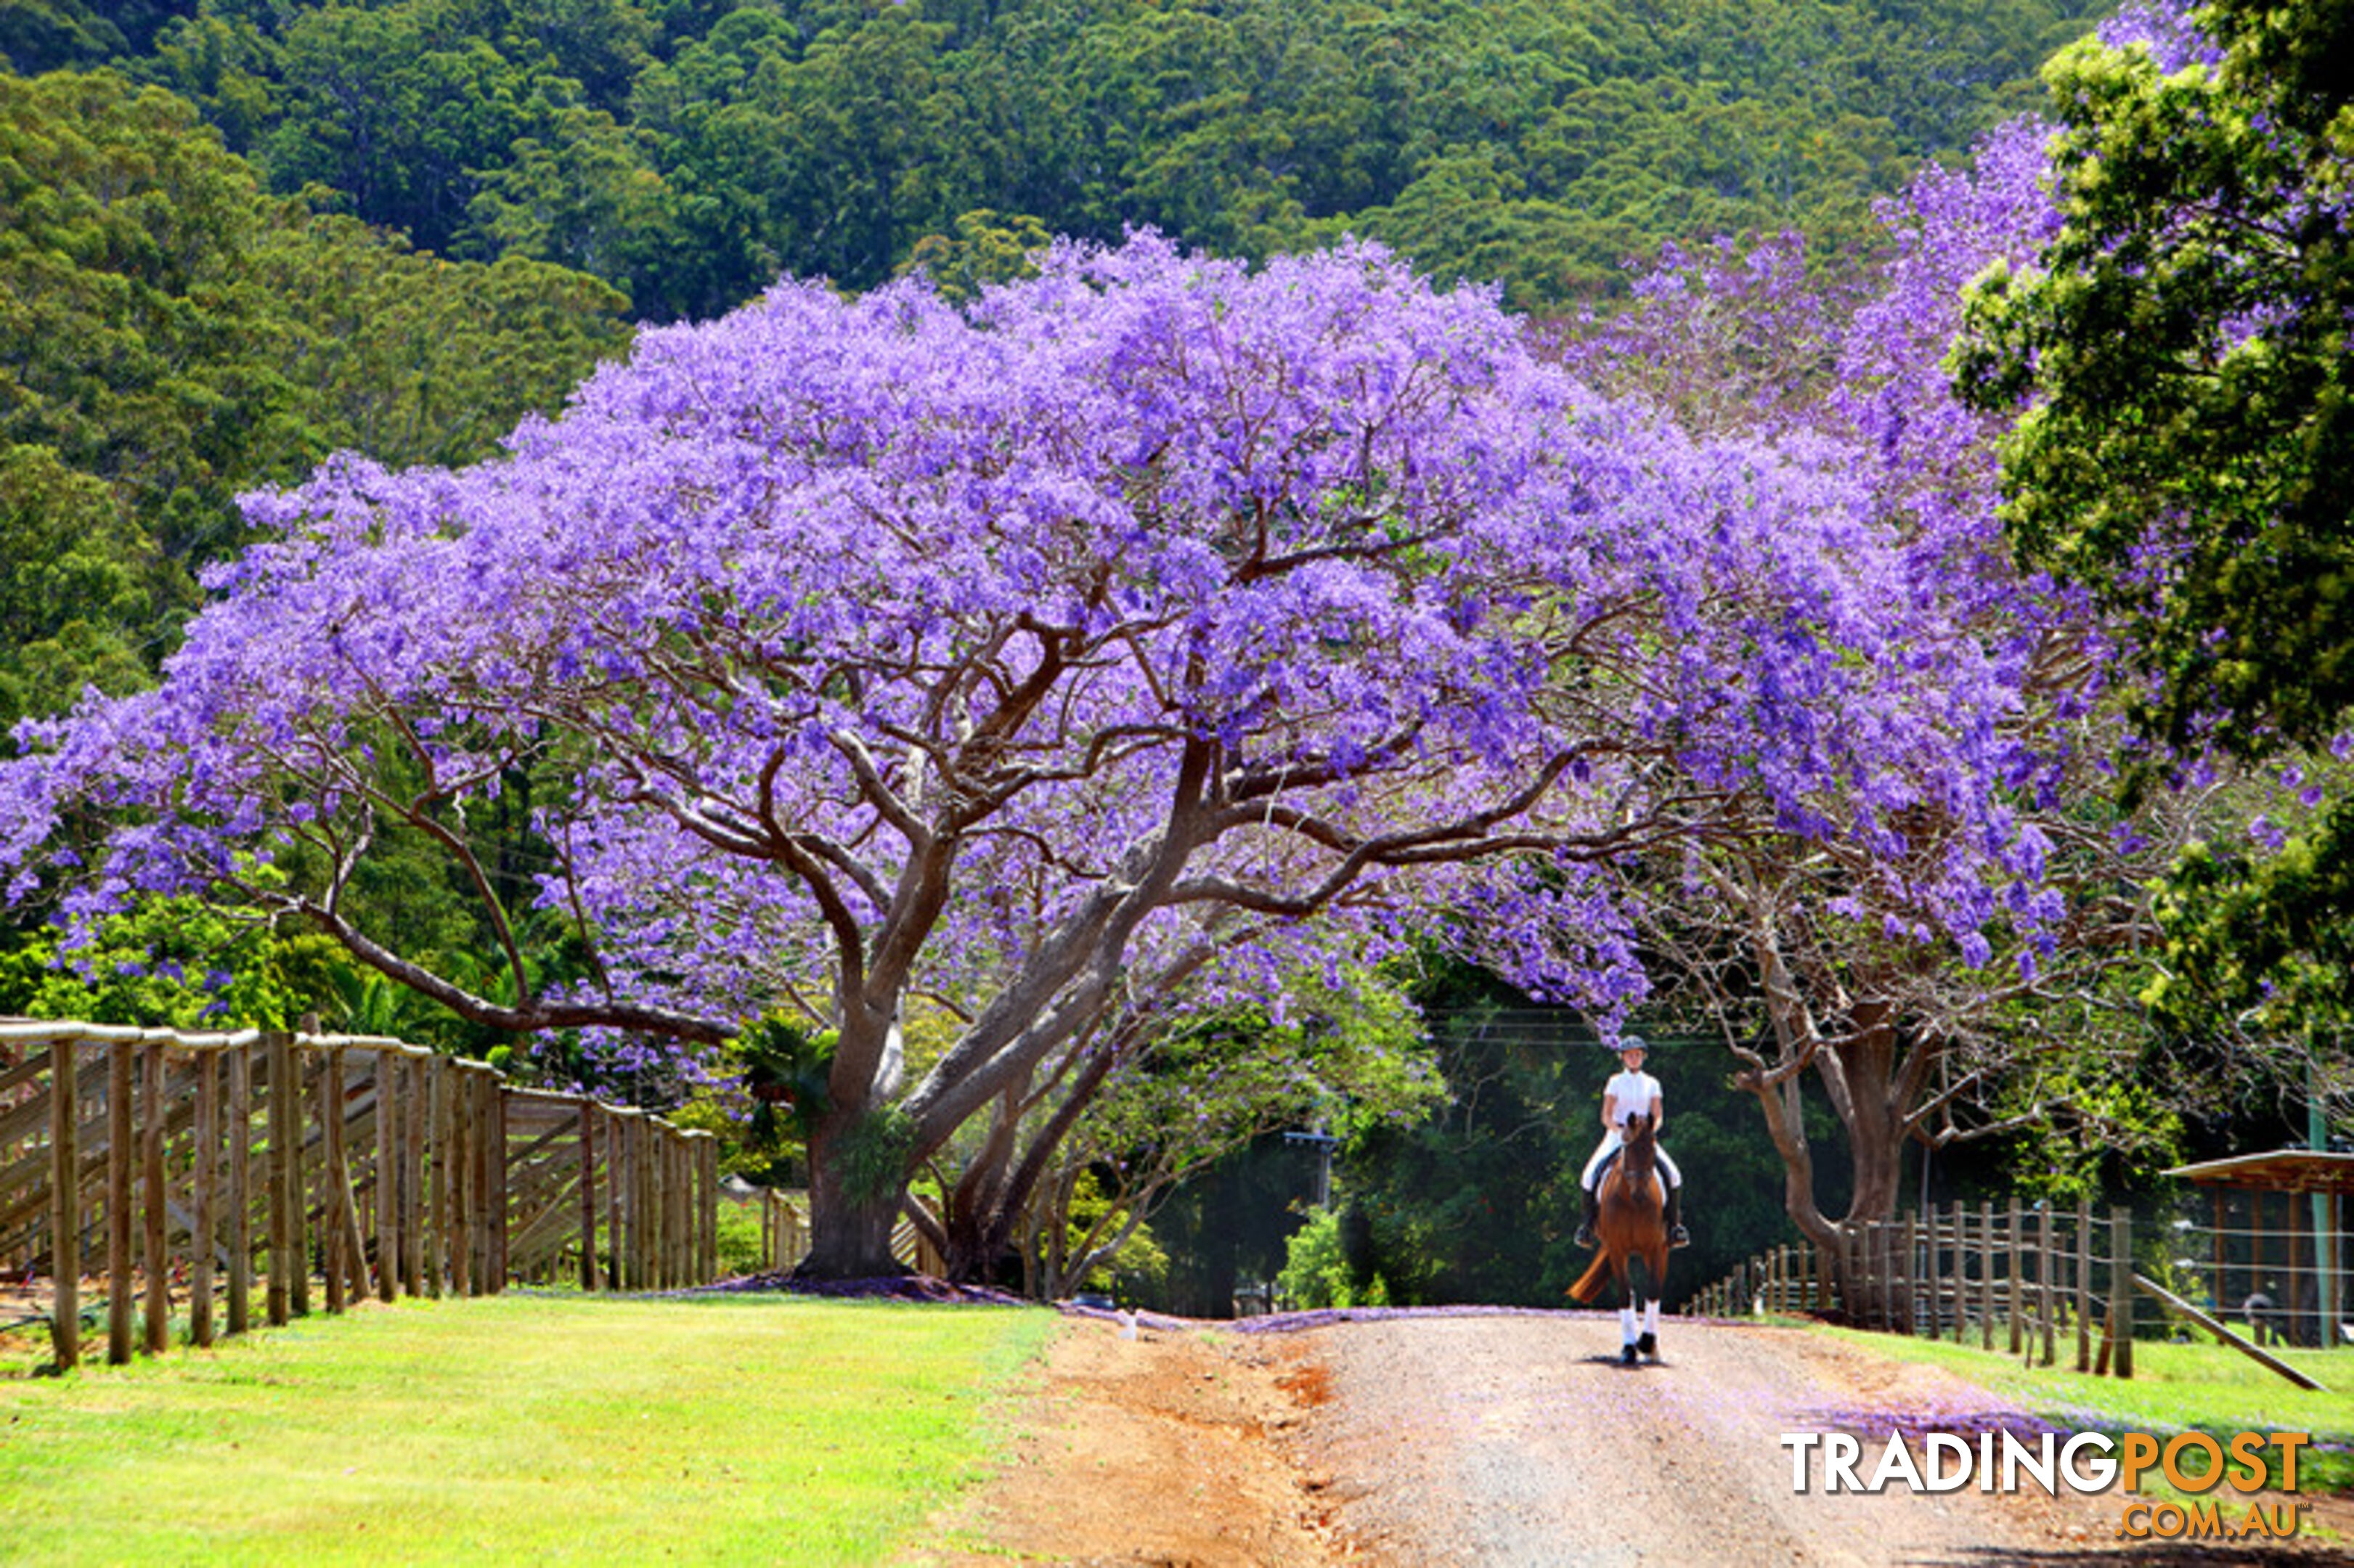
[(170, 333), (689, 150)]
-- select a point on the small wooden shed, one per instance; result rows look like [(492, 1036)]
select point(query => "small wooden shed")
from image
[(2296, 1252)]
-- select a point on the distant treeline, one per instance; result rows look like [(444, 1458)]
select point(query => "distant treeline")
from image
[(688, 150)]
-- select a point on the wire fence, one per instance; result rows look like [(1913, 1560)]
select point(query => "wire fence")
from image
[(2050, 1286), (2275, 1261)]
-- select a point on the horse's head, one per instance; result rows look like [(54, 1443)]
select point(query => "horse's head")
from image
[(1639, 1142)]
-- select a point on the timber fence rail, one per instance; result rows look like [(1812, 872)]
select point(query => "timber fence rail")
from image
[(2031, 1279), (253, 1173)]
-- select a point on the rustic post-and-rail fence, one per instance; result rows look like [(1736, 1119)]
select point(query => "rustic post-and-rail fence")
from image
[(2031, 1279), (263, 1166)]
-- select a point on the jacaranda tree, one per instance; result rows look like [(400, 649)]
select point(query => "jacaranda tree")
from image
[(1022, 652), (1805, 949)]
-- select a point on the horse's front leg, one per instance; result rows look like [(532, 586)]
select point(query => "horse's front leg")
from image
[(1647, 1343), (1630, 1305)]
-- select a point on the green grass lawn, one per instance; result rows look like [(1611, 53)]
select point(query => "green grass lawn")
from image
[(733, 1429), (2203, 1387)]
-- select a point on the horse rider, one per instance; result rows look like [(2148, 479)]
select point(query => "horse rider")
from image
[(1630, 1092)]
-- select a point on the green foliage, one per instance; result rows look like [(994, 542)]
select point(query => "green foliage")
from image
[(871, 1159), (170, 963), (2268, 940), (741, 1240), (170, 334), (984, 249), (73, 595), (691, 150), (1316, 1270), (1137, 1270), (786, 1066), (2178, 359)]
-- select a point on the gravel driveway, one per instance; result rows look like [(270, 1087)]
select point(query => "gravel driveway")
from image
[(1471, 1437), (1511, 1440)]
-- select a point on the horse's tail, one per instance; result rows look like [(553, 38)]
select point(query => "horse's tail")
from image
[(1591, 1280)]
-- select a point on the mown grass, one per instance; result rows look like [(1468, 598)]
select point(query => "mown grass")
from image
[(745, 1429), (2199, 1387)]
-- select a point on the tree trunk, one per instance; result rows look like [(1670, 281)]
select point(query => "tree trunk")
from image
[(1864, 1088), (989, 1204), (850, 1230), (1868, 1086)]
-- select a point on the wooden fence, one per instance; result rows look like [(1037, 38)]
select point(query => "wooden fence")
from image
[(2032, 1278), (270, 1165)]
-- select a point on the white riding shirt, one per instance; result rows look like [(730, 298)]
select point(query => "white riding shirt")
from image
[(1639, 1094)]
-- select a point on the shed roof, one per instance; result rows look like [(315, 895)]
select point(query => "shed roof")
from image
[(2282, 1171)]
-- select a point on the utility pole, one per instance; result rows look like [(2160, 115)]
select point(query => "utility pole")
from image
[(1322, 1142)]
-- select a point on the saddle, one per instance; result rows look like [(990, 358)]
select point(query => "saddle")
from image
[(1658, 1182)]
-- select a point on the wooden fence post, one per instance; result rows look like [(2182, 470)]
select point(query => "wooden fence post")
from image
[(119, 1131), (1986, 1275), (65, 1205), (277, 1180), (1911, 1274), (464, 1138), (494, 1153), (240, 1186), (1958, 1222), (659, 1189), (440, 1205), (298, 1192), (618, 1272), (332, 1228), (641, 1218), (2015, 1256), (2047, 1309), (2084, 1282), (416, 1216), (156, 1250), (388, 1130), (708, 1147), (204, 1223), (591, 1276)]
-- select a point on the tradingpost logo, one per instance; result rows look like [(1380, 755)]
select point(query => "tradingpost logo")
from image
[(2220, 1485)]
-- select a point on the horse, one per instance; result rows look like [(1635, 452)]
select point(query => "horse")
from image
[(1633, 1230)]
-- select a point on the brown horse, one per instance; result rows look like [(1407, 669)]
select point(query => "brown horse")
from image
[(1633, 1229)]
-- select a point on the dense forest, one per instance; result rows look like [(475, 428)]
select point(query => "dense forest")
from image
[(689, 152)]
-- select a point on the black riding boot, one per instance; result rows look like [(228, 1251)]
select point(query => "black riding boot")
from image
[(1677, 1234), (1592, 1211)]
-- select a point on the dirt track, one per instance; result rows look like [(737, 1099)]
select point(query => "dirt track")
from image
[(1497, 1440)]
